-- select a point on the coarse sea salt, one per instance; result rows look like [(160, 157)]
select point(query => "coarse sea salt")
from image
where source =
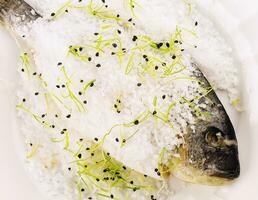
[(113, 90)]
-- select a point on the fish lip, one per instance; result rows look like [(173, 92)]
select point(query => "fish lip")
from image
[(191, 174), (225, 174), (223, 163)]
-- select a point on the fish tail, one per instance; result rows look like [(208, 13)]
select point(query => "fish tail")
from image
[(17, 12)]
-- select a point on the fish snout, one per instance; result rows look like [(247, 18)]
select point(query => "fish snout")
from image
[(209, 156), (221, 154)]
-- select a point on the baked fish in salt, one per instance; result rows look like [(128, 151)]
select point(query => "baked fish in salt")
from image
[(207, 152)]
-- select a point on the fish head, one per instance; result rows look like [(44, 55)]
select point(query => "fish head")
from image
[(209, 154)]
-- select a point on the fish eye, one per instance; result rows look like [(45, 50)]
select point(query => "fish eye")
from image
[(213, 136)]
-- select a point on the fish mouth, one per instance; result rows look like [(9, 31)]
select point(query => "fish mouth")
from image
[(196, 176), (214, 174)]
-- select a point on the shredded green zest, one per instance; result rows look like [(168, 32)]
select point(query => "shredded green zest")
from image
[(155, 50), (98, 170), (235, 103), (195, 106), (63, 9), (89, 84), (75, 51), (34, 150), (130, 65), (71, 94), (152, 51), (75, 99), (36, 117), (132, 4), (164, 117), (26, 63)]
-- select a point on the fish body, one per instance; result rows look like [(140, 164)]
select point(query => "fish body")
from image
[(209, 154)]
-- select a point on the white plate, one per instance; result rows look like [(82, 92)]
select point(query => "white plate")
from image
[(239, 21)]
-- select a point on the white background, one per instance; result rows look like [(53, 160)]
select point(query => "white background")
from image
[(238, 18)]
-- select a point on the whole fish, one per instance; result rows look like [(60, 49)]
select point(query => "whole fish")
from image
[(209, 154)]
